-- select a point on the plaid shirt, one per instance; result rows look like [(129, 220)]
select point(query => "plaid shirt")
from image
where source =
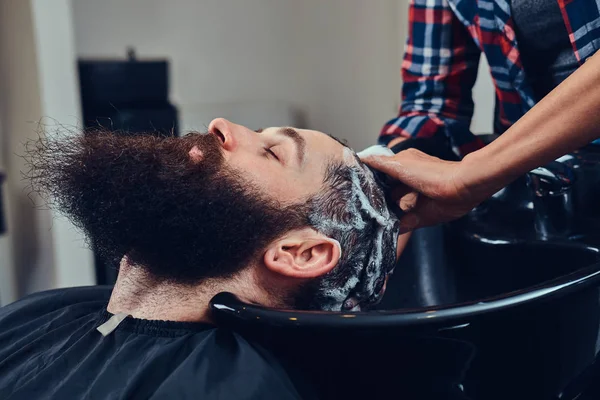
[(446, 39)]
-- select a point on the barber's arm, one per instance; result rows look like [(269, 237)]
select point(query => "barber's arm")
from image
[(438, 72), (437, 191), (436, 93)]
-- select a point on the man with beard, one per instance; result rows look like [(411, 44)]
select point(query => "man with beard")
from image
[(281, 217)]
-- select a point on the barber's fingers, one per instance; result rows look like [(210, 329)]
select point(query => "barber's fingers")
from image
[(421, 212), (412, 167), (424, 173), (408, 201), (410, 205), (409, 222), (395, 141), (389, 165), (399, 191)]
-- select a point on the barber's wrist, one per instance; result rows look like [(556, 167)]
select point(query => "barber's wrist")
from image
[(436, 146), (396, 141), (477, 172)]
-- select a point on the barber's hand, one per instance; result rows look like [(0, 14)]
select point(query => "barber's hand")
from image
[(430, 190)]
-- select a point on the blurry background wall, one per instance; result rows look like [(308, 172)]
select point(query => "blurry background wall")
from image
[(334, 62), (37, 80), (331, 65)]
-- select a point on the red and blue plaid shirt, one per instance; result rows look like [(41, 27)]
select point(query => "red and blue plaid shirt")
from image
[(445, 41)]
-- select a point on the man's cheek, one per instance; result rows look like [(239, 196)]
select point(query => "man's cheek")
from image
[(274, 182)]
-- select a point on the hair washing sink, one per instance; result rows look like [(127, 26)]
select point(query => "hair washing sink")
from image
[(490, 320)]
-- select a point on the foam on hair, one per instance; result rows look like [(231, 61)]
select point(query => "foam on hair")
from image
[(368, 232), (376, 150)]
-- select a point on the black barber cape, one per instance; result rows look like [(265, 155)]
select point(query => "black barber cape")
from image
[(50, 348)]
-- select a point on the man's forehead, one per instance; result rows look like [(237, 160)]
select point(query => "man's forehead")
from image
[(343, 142), (346, 154)]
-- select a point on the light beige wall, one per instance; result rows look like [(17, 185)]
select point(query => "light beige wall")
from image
[(28, 237), (36, 81), (483, 95), (59, 95)]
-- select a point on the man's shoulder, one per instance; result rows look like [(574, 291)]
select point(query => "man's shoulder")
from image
[(65, 296), (214, 361), (84, 299), (224, 364)]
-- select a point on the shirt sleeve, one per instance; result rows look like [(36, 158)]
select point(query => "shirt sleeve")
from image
[(438, 73)]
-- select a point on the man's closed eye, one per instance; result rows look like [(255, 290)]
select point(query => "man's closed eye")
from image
[(271, 153)]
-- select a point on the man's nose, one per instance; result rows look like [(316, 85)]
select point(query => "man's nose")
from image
[(224, 131), (233, 137)]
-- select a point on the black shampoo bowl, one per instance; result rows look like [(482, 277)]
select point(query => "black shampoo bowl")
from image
[(502, 321)]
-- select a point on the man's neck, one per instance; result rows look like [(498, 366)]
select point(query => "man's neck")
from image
[(140, 295)]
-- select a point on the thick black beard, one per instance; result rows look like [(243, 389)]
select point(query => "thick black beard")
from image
[(143, 196)]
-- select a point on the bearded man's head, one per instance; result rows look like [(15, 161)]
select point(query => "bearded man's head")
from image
[(297, 203)]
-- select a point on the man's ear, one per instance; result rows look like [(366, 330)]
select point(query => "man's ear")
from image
[(303, 253)]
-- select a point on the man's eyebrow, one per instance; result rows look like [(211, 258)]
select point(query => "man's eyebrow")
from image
[(298, 140)]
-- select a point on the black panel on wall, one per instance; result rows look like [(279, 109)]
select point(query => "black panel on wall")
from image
[(126, 96)]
